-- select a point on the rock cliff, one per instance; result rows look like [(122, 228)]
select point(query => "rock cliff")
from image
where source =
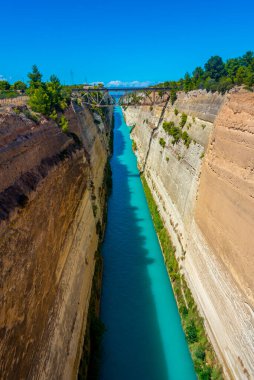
[(52, 203), (205, 194)]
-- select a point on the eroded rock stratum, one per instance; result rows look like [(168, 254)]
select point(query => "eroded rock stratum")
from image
[(205, 194), (52, 199)]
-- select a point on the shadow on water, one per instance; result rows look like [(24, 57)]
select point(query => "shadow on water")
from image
[(132, 346)]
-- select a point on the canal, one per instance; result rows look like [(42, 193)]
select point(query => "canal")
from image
[(144, 339)]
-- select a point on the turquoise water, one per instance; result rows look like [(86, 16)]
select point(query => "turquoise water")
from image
[(144, 339)]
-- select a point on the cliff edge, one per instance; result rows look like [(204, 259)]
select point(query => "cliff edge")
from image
[(52, 200)]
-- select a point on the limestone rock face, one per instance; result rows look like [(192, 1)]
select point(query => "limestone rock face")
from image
[(225, 206), (205, 196), (50, 186)]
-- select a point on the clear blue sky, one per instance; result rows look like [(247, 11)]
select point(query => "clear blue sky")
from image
[(129, 40)]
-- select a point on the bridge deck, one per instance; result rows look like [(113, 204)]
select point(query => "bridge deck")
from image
[(122, 89)]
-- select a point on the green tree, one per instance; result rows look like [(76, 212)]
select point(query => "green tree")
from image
[(39, 101), (47, 98), (225, 84), (249, 77), (198, 73), (232, 65), (241, 75), (54, 91), (34, 78), (247, 58), (215, 67), (187, 83), (4, 85), (19, 85)]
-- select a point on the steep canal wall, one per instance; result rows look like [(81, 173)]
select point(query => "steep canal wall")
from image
[(52, 202), (203, 185)]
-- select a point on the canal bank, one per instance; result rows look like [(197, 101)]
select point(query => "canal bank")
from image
[(144, 337)]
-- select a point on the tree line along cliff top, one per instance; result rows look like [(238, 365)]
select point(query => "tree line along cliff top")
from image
[(51, 98), (217, 75)]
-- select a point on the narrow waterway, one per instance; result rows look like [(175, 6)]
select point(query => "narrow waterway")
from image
[(144, 339)]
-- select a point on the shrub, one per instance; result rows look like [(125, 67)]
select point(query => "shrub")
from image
[(205, 373), (176, 111), (53, 115), (186, 139), (173, 96), (7, 94), (176, 133), (200, 353), (183, 311), (17, 110), (168, 125), (4, 85), (63, 124), (19, 85), (183, 120), (225, 84), (191, 332), (134, 145), (162, 142)]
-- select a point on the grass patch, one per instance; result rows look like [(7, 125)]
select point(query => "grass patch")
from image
[(204, 359)]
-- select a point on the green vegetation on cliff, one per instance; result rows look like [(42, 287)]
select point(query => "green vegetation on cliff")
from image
[(162, 142), (48, 98), (204, 359), (11, 91), (134, 145), (217, 75), (176, 132)]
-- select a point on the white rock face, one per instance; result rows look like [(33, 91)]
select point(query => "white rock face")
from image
[(223, 291)]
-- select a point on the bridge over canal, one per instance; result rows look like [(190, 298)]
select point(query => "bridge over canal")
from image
[(122, 96)]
